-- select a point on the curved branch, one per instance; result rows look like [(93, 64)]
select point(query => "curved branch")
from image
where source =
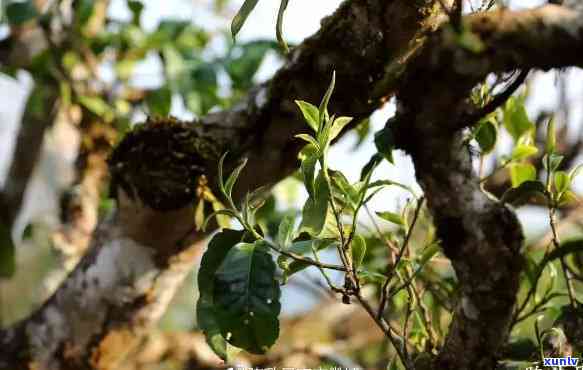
[(138, 257)]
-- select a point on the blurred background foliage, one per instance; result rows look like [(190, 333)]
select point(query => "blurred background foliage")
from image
[(101, 73)]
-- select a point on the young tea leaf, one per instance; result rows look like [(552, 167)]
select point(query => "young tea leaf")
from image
[(516, 119), (324, 104), (358, 251), (551, 162), (337, 126), (562, 181), (310, 113), (521, 152), (521, 172), (316, 207), (391, 217), (233, 177)]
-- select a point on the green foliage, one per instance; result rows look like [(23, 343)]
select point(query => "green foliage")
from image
[(207, 310), (20, 12), (246, 9), (159, 102), (247, 297), (246, 278), (516, 119), (486, 134)]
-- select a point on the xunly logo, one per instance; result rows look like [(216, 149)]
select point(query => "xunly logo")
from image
[(557, 363), (560, 361)]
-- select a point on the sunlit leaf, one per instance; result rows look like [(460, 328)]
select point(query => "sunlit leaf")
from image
[(521, 172), (311, 114), (562, 181), (516, 119), (391, 217)]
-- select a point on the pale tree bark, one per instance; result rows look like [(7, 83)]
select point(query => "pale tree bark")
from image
[(140, 255)]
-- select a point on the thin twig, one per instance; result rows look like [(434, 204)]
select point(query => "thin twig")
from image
[(384, 291)]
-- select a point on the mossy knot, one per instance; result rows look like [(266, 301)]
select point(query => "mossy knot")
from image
[(159, 162)]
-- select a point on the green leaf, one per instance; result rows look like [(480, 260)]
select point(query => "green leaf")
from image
[(323, 109), (516, 119), (562, 181), (316, 207), (428, 253), (159, 101), (310, 113), (391, 217), (7, 253), (308, 167), (218, 214), (278, 28), (136, 7), (247, 297), (343, 189), (18, 13), (521, 172), (285, 232), (244, 60), (84, 10), (567, 247), (206, 310), (309, 139), (371, 277), (524, 192), (551, 162), (358, 251), (551, 144), (230, 183), (95, 104), (385, 143), (486, 135), (337, 126), (242, 16), (371, 165), (521, 152)]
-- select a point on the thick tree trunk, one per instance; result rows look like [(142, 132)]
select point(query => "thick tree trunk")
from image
[(141, 254)]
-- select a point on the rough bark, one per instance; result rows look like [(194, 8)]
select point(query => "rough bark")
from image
[(481, 236), (138, 257)]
